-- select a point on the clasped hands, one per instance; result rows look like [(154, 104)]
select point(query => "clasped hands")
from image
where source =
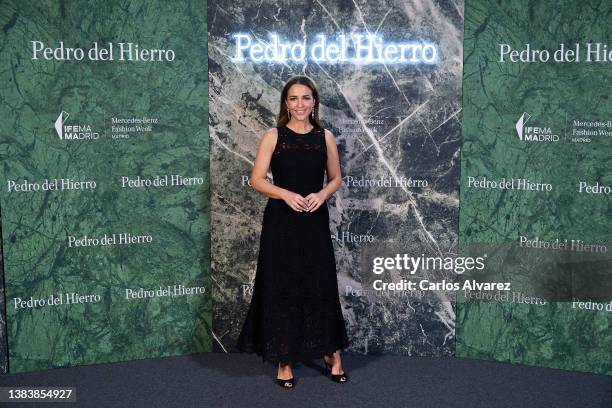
[(309, 203)]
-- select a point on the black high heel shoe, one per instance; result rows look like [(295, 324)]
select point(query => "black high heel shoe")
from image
[(289, 383), (339, 378), (285, 383)]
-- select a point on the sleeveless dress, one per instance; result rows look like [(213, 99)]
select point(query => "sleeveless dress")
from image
[(295, 311)]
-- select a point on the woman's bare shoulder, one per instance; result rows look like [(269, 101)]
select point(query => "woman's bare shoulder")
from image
[(329, 136), (271, 133), (268, 139)]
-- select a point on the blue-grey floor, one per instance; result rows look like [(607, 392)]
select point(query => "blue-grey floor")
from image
[(238, 380)]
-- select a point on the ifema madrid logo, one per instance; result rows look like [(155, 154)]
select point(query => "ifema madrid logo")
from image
[(73, 132), (534, 133)]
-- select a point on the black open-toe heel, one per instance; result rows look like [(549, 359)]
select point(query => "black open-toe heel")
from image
[(339, 378), (285, 383), (289, 383)]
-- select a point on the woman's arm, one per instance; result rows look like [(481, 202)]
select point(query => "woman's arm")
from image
[(260, 171), (334, 178)]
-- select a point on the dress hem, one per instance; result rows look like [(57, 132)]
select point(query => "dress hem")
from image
[(301, 358)]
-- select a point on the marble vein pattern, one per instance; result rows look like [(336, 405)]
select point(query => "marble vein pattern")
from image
[(397, 127)]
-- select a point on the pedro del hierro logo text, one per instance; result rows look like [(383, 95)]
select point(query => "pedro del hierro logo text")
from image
[(128, 52)]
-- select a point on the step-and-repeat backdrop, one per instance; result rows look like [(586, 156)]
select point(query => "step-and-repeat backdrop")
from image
[(3, 349), (536, 176), (118, 244), (104, 181)]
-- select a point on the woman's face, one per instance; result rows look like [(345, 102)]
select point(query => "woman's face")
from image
[(300, 101)]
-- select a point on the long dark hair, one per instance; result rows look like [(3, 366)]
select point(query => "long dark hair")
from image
[(283, 118)]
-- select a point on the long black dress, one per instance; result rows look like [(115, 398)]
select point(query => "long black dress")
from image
[(295, 311)]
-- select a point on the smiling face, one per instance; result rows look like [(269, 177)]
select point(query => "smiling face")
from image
[(300, 101)]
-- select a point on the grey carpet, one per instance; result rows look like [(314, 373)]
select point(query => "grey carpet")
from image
[(239, 380)]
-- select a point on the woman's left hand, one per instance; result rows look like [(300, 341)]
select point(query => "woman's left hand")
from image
[(315, 200)]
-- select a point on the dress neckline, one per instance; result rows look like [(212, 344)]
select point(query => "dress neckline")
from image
[(300, 134)]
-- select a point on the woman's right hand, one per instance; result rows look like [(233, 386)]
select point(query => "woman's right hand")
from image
[(295, 201)]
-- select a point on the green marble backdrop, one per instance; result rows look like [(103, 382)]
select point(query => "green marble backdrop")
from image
[(114, 301), (3, 348), (547, 319)]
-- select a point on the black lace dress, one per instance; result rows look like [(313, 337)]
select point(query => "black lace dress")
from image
[(295, 312)]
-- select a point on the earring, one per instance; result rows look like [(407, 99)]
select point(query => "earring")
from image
[(288, 113), (312, 113)]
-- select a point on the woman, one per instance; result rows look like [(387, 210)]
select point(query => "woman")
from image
[(295, 309)]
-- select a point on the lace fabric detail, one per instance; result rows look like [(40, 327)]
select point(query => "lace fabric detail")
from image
[(289, 141), (296, 146)]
